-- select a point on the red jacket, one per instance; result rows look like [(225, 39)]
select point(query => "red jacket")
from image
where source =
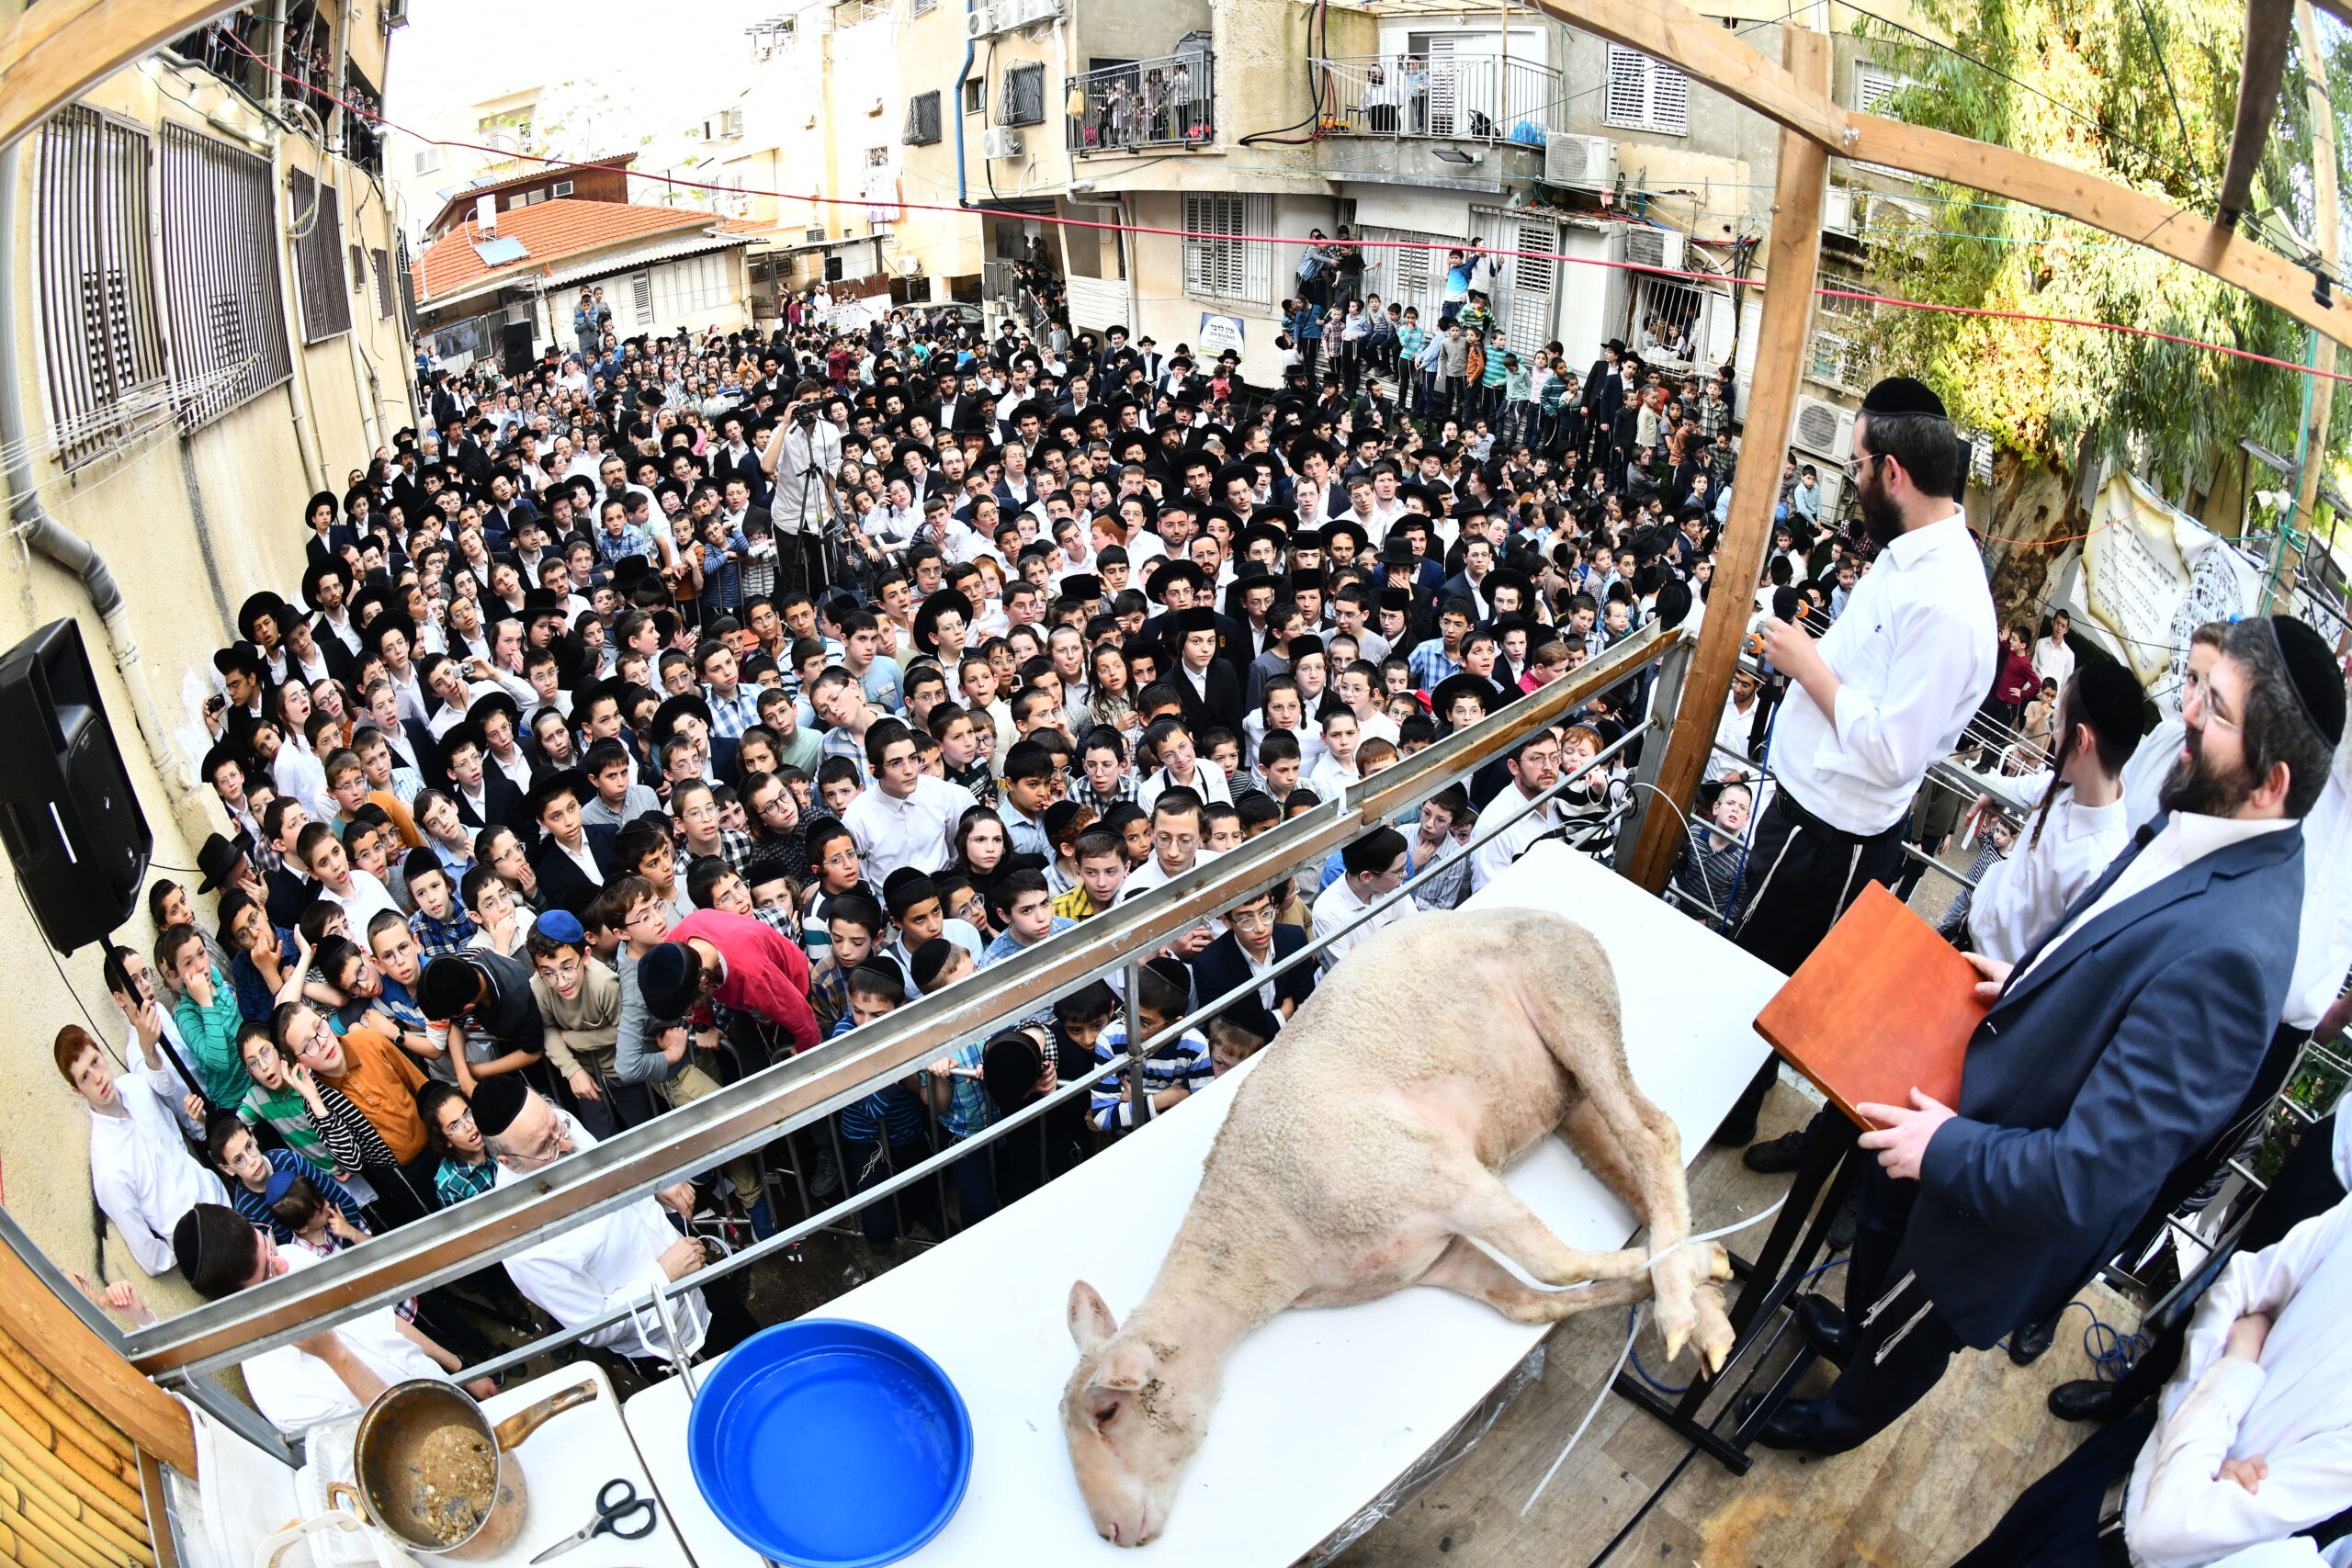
[(767, 975)]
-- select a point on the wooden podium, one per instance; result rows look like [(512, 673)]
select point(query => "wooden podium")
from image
[(1882, 1005)]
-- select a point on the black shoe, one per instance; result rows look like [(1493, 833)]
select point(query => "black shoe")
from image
[(1791, 1428), (1735, 1132), (2027, 1344), (1778, 1156), (1826, 1328), (825, 1178), (1842, 1223), (2086, 1399)]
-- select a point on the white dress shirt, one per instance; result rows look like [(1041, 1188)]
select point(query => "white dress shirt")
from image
[(2287, 1406), (2151, 762), (917, 831), (2053, 660), (368, 898), (2187, 839), (1335, 907), (2019, 897), (296, 1390), (583, 1271), (1208, 781), (2324, 951), (1491, 855), (1732, 731), (142, 1172), (1913, 652)]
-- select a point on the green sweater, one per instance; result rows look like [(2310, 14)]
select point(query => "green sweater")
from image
[(211, 1036)]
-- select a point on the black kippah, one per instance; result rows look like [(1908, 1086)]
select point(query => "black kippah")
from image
[(2108, 698), (2312, 674), (1901, 394), (497, 1101)]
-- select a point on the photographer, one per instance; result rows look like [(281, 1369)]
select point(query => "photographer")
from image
[(801, 460)]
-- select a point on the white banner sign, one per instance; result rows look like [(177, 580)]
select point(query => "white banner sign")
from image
[(1218, 334), (2152, 575)]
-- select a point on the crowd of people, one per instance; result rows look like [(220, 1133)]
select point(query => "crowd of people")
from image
[(676, 705)]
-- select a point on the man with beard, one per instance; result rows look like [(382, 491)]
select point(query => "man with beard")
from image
[(2121, 1041), (1869, 707)]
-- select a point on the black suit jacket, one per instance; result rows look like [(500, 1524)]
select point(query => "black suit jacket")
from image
[(562, 885), (506, 804), (1221, 968), (1220, 710)]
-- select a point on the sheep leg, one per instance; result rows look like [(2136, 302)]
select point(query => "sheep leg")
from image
[(1588, 1134), (1491, 1212), (1463, 1267), (1589, 1045)]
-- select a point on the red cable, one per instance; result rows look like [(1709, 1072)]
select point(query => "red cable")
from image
[(903, 206)]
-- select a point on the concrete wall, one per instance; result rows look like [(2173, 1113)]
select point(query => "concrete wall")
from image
[(189, 527)]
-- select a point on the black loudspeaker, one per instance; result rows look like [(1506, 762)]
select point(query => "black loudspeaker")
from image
[(514, 347), (68, 815)]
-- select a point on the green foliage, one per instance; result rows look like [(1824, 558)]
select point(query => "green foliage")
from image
[(2141, 92)]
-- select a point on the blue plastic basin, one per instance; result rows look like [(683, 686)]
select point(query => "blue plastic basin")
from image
[(825, 1443)]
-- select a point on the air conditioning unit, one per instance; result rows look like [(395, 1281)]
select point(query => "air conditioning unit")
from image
[(1036, 11), (1823, 429), (980, 22), (1838, 211), (1586, 162), (1003, 141), (907, 267), (1658, 248)]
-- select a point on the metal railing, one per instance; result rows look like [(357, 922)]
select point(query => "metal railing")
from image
[(1463, 99), (1167, 102), (767, 1106)]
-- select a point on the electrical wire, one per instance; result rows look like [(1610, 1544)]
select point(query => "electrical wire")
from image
[(1276, 240), (1643, 1372)]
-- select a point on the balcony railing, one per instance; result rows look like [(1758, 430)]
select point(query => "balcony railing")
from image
[(1464, 98), (1168, 102)]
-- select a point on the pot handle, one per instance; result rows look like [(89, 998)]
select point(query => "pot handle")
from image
[(510, 1433), (345, 1489)]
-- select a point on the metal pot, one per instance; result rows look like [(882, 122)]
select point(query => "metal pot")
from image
[(434, 1474)]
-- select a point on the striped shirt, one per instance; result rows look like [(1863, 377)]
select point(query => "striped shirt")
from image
[(892, 1113), (1411, 341), (256, 1207), (1181, 1061), (1431, 665)]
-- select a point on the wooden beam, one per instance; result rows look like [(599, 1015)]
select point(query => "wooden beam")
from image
[(2267, 23), (1794, 262), (2327, 204), (1704, 51), (60, 49), (33, 1316)]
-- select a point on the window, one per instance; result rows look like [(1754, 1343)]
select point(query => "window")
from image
[(1833, 359), (525, 198), (97, 285), (1872, 83), (975, 95), (428, 159), (642, 294), (317, 219), (922, 119), (877, 157), (1217, 263), (1645, 94), (1024, 95), (922, 8), (221, 290), (562, 188), (386, 303)]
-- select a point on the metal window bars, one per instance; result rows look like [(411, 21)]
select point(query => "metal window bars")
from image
[(1167, 102), (1441, 97), (794, 1094)]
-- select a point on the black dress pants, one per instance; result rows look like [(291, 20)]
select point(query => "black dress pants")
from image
[(1902, 1344), (2054, 1524)]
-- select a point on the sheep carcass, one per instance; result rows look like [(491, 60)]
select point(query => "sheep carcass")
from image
[(1362, 1155)]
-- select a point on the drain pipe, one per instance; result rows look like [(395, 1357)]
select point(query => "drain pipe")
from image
[(963, 74), (59, 543)]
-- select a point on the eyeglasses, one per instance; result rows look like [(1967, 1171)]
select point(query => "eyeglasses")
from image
[(2201, 688), (1857, 465)]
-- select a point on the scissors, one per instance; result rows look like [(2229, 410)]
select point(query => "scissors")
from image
[(612, 1509)]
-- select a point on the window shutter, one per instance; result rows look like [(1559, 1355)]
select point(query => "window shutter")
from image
[(318, 259), (1533, 277), (1645, 94), (1669, 99), (385, 303), (1871, 84), (922, 119), (641, 295), (221, 279), (96, 289)]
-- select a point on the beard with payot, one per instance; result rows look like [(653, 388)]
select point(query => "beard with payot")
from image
[(2196, 783)]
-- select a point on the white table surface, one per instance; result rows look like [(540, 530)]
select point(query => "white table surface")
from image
[(565, 1463), (1322, 1409)]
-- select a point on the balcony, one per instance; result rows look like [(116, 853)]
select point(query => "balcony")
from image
[(1167, 102), (1486, 98)]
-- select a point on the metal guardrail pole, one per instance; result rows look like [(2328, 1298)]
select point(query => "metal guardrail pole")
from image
[(1138, 1098), (1666, 697), (207, 1393)]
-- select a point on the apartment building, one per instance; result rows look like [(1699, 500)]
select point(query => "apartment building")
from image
[(207, 321)]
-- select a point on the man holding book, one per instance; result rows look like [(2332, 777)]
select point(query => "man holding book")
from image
[(2114, 1048)]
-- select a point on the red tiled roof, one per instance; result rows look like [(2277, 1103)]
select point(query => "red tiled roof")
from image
[(552, 231)]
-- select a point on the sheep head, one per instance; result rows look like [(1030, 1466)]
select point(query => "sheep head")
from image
[(1132, 1418)]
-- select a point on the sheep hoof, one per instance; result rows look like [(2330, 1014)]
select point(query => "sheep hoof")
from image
[(1718, 1261), (1675, 1337)]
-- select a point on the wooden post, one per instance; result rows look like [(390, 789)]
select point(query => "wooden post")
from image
[(1794, 265), (92, 1369), (2331, 250)]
